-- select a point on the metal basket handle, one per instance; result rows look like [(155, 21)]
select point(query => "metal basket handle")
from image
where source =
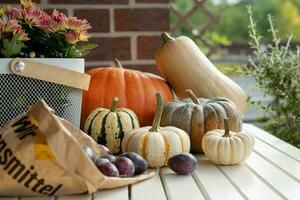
[(50, 73)]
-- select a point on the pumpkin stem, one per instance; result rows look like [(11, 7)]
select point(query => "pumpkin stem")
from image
[(226, 133), (118, 63), (114, 105), (193, 96), (158, 113), (166, 37)]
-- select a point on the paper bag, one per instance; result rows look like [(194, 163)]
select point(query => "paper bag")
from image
[(42, 154)]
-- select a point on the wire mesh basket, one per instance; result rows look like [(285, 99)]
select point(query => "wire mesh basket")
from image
[(24, 82)]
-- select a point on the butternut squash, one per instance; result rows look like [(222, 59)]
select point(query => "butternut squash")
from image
[(184, 66)]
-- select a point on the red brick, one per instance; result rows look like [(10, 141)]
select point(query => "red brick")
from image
[(49, 11), (88, 1), (147, 46), (154, 19), (14, 1), (110, 48), (152, 1), (10, 1), (99, 18)]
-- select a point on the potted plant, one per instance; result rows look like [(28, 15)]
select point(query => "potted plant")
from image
[(49, 45)]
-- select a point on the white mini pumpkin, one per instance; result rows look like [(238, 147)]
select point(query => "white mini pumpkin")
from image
[(157, 144), (226, 147)]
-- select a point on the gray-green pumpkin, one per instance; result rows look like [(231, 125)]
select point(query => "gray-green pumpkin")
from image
[(108, 126), (198, 115)]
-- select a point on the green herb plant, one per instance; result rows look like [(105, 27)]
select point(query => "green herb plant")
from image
[(276, 69)]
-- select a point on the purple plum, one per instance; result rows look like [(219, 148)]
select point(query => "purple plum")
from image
[(139, 162), (108, 169), (183, 163), (125, 166)]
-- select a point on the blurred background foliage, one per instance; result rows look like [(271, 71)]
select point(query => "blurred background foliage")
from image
[(225, 40), (233, 20)]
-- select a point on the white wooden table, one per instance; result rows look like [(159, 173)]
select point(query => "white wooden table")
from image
[(271, 172)]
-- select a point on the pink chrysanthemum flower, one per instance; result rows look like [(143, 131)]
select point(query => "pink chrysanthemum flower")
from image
[(73, 23), (14, 13), (27, 4), (74, 29), (1, 24), (71, 37), (54, 22), (34, 16), (78, 28), (58, 16), (13, 28), (31, 15), (4, 10)]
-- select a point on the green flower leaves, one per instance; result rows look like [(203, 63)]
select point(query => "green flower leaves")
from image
[(11, 47)]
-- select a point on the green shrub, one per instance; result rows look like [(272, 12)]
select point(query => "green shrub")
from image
[(276, 68)]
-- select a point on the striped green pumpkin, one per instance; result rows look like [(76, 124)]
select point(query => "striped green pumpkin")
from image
[(108, 126)]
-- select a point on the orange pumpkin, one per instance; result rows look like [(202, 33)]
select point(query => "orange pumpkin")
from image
[(135, 89)]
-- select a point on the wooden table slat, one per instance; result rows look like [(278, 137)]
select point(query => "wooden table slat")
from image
[(113, 194), (248, 183), (180, 187), (149, 190), (286, 163), (76, 197), (215, 184), (273, 141), (274, 176)]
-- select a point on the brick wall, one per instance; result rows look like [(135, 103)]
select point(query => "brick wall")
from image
[(125, 29)]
